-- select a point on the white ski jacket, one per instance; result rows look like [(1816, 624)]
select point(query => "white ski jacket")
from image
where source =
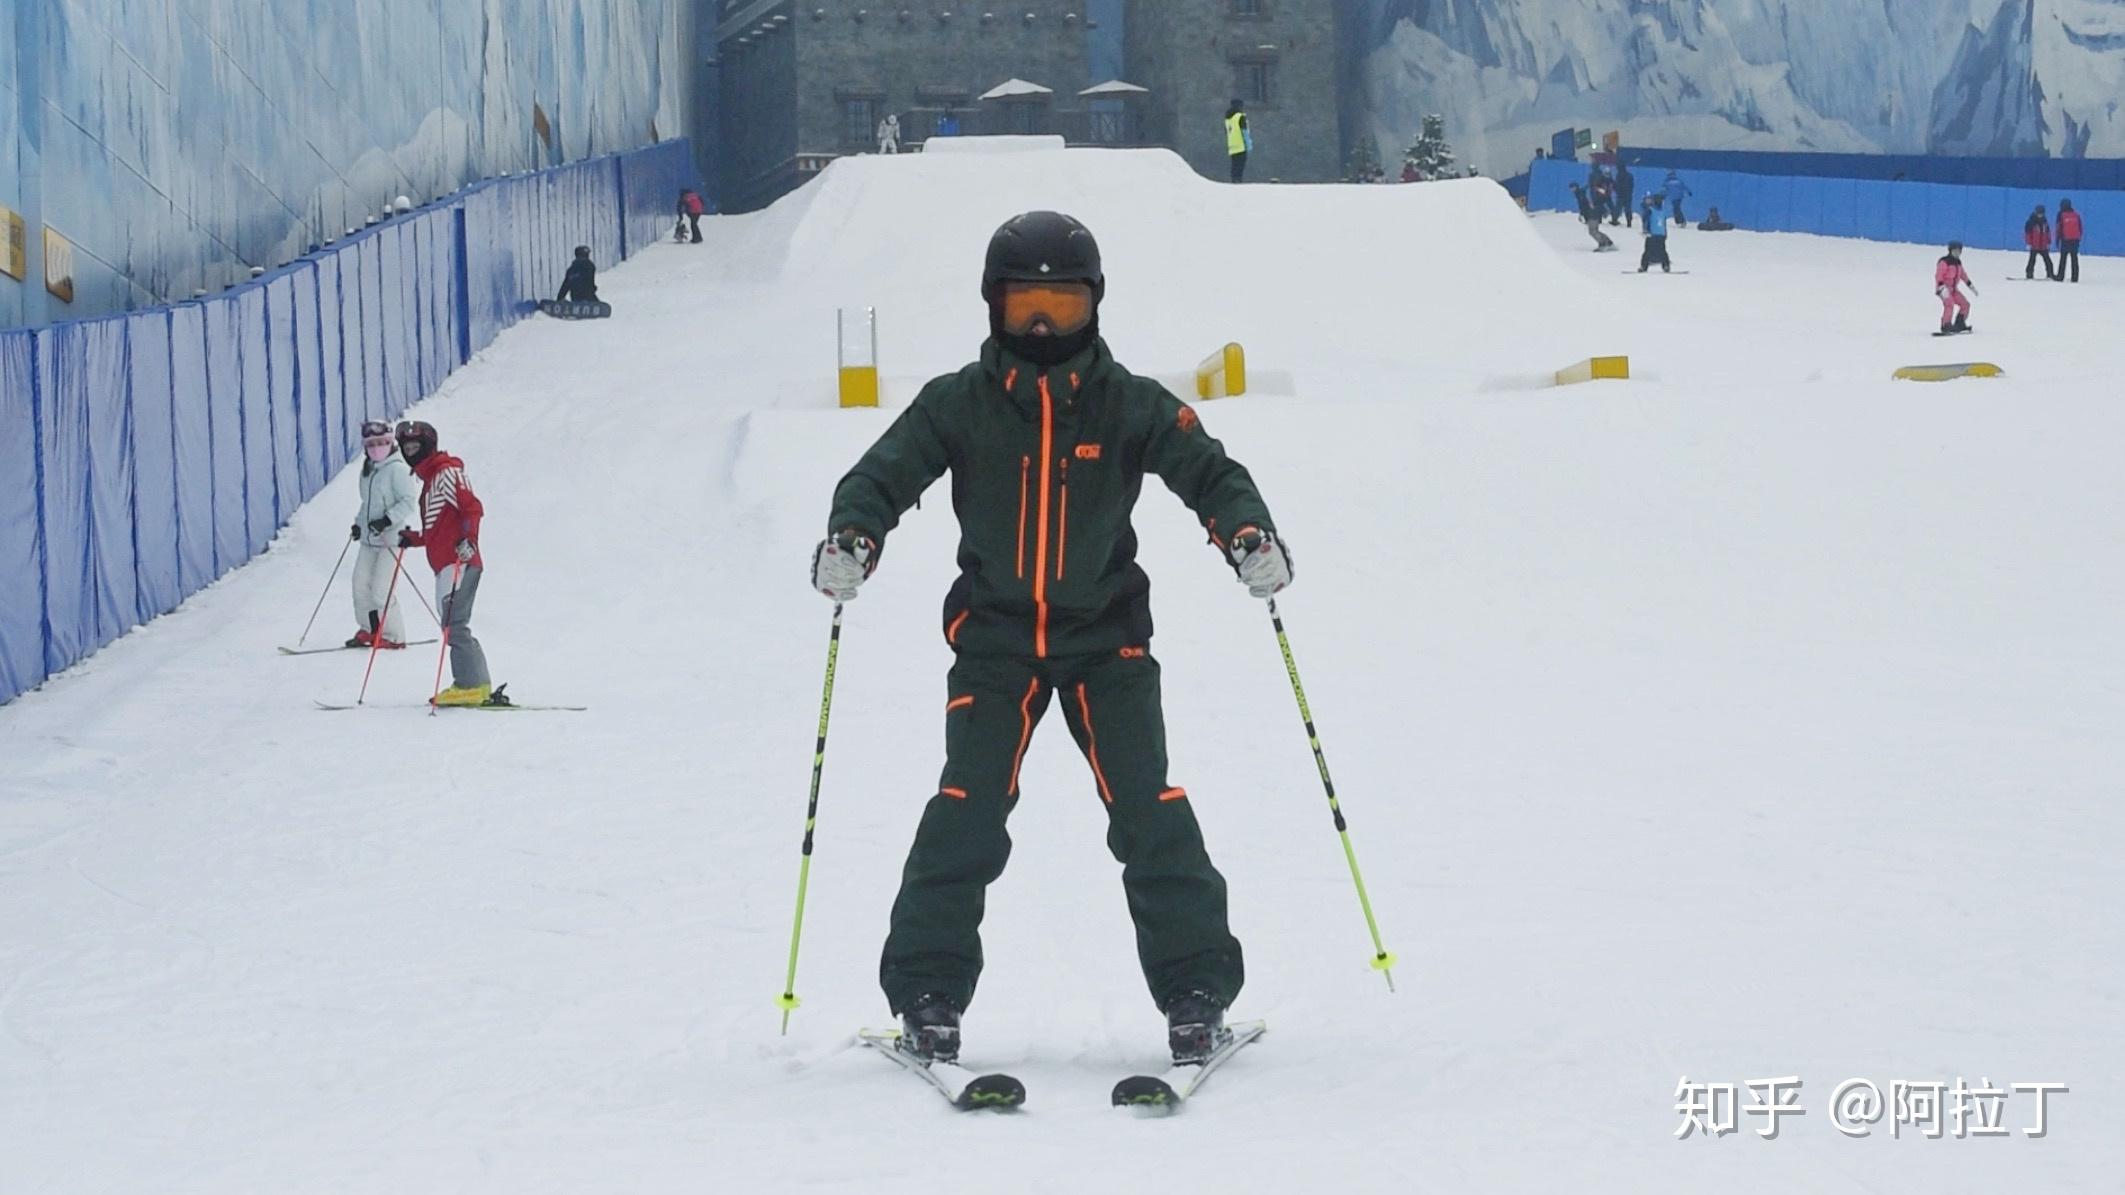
[(389, 491)]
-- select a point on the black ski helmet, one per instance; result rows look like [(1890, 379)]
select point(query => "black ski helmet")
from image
[(1042, 247), (416, 441)]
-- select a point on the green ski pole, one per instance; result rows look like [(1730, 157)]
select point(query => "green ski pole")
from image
[(1382, 961), (788, 999)]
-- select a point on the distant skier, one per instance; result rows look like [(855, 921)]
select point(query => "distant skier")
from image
[(2069, 241), (1592, 220), (889, 134), (1051, 603), (1239, 139), (391, 501), (1656, 236), (1676, 190), (580, 283), (2036, 233), (1949, 277), (1603, 195), (1626, 187), (690, 209), (450, 531)]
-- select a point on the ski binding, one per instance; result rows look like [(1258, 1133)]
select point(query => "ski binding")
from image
[(960, 1087), (1164, 1093)]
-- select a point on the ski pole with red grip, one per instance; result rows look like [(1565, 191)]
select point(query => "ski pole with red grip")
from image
[(376, 637), (457, 572)]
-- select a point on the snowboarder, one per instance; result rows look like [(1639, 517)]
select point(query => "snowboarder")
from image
[(390, 502), (1949, 277), (1656, 236), (1712, 222), (1592, 220), (450, 531), (2069, 241), (889, 134), (690, 209), (2036, 233), (1676, 190), (580, 283), (1239, 139), (1626, 188), (1049, 440)]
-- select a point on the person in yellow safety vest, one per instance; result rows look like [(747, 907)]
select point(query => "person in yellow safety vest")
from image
[(1239, 139)]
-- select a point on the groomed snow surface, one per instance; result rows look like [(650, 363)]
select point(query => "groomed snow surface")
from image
[(1755, 717)]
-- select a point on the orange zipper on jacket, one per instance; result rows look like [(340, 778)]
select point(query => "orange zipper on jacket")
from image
[(1062, 519), (1040, 540), (1024, 464)]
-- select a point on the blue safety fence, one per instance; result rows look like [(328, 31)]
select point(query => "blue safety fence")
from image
[(142, 456), (2039, 174), (1981, 217)]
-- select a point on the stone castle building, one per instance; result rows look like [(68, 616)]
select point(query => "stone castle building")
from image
[(804, 81)]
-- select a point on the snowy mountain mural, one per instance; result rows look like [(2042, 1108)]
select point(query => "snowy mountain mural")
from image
[(1991, 77)]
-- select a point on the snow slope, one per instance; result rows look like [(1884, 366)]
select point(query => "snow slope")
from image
[(1755, 717)]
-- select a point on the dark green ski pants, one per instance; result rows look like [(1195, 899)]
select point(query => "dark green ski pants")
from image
[(1111, 705)]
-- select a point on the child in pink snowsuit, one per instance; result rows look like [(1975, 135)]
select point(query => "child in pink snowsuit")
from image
[(1948, 279)]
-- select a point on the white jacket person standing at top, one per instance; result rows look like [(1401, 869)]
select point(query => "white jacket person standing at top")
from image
[(391, 502)]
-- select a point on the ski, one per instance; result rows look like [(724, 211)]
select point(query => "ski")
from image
[(960, 1087), (317, 651), (1167, 1091), (482, 709)]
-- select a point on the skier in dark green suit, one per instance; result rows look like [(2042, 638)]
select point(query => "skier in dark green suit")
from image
[(1048, 441)]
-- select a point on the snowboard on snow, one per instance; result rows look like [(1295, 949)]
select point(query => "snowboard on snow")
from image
[(1954, 332), (559, 309)]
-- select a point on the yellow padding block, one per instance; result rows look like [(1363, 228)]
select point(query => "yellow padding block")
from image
[(1948, 373), (859, 385), (1594, 368), (1223, 374)]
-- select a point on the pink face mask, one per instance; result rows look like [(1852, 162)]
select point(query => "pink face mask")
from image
[(378, 450)]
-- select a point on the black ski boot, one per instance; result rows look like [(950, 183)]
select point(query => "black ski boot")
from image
[(1195, 1026), (930, 1028)]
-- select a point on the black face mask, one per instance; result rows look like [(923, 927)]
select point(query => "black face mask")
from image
[(1044, 351), (412, 451)]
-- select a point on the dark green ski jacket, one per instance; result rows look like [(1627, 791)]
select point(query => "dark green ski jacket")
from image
[(1046, 468)]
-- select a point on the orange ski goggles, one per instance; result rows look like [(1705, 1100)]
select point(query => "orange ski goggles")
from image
[(1065, 307)]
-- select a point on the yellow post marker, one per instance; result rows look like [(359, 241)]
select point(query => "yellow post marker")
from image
[(1223, 374), (859, 379), (1595, 369), (1948, 373)]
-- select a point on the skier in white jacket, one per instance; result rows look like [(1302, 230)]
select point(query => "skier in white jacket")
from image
[(391, 501)]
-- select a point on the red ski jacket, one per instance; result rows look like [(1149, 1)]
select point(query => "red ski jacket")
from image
[(450, 512), (2069, 226), (2037, 232)]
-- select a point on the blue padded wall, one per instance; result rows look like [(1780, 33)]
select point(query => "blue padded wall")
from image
[(142, 456), (22, 656), (1926, 213)]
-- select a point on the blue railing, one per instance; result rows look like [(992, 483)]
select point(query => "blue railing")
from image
[(142, 456), (1871, 209)]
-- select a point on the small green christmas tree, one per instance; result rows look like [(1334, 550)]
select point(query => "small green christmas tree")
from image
[(1432, 155)]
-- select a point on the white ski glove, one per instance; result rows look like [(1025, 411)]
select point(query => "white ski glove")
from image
[(841, 565), (1263, 562)]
